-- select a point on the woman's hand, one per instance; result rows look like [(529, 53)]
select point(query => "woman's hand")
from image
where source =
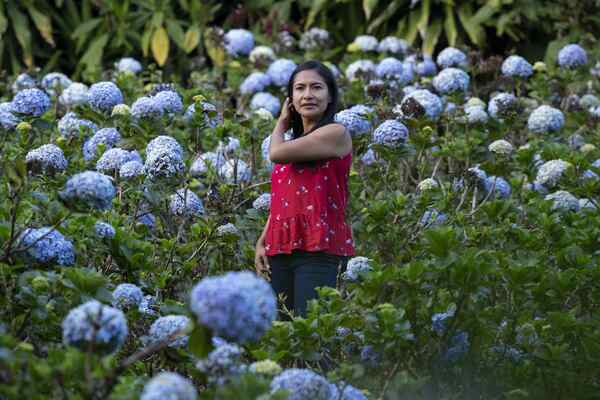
[(285, 117), (261, 261)]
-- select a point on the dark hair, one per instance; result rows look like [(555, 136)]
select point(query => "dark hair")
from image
[(328, 116)]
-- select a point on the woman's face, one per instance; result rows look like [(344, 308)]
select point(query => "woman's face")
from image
[(310, 94)]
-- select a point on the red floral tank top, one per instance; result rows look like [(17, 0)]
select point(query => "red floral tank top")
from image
[(308, 208)]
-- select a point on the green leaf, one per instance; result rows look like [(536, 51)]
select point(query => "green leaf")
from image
[(384, 16), (3, 23), (20, 25), (200, 343), (424, 17), (145, 41), (484, 14), (433, 34), (412, 29), (93, 56), (316, 8), (450, 25), (474, 31), (43, 23), (176, 33), (368, 7), (85, 28)]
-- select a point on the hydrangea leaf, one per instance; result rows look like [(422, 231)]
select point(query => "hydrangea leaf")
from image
[(200, 343)]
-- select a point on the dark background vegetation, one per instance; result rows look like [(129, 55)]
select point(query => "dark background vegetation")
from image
[(77, 36)]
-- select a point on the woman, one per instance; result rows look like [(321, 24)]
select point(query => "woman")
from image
[(306, 241)]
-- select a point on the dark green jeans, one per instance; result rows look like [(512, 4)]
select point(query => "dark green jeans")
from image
[(296, 276)]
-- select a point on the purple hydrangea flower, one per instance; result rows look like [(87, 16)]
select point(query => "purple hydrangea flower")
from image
[(239, 42), (517, 66), (106, 136), (451, 80), (32, 102), (391, 133), (572, 56), (302, 384), (103, 96), (237, 306), (46, 246), (89, 189), (97, 326)]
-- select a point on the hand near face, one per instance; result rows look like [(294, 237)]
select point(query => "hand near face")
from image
[(285, 117)]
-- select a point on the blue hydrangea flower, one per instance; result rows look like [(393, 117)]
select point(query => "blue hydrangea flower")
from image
[(113, 159), (167, 326), (146, 108), (439, 321), (200, 164), (572, 56), (366, 43), (459, 346), (432, 218), (223, 364), (163, 143), (451, 80), (267, 101), (545, 119), (510, 352), (501, 104), (32, 102), (389, 68), (239, 42), (476, 115), (23, 81), (501, 188), (254, 83), (237, 306), (211, 122), (280, 71), (55, 81), (563, 201), (426, 67), (356, 123), (185, 202), (369, 356), (128, 64), (8, 120), (48, 159), (452, 57), (391, 133), (516, 66), (360, 69), (131, 169), (169, 102), (103, 96), (70, 125), (370, 157), (588, 101), (235, 171), (97, 326), (355, 267), (104, 230), (107, 136), (169, 385), (430, 102), (46, 246), (126, 296), (535, 187), (90, 189), (163, 163), (262, 202), (314, 39), (349, 392), (74, 95), (302, 384), (392, 45)]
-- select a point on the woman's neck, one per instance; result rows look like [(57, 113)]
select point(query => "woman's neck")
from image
[(308, 125)]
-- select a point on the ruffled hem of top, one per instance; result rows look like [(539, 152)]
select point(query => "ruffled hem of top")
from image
[(300, 233)]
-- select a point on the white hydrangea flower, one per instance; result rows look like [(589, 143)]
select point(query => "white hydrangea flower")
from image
[(501, 147), (366, 43), (563, 201), (427, 184), (550, 172), (356, 266), (228, 229), (262, 202), (228, 168), (262, 54)]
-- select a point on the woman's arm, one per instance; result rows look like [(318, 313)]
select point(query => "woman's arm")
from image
[(261, 239), (328, 141)]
